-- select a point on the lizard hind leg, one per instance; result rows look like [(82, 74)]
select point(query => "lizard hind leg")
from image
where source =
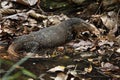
[(31, 46), (17, 50)]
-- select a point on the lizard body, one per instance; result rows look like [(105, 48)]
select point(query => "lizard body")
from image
[(49, 37)]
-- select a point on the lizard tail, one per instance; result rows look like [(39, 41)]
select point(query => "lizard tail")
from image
[(11, 50)]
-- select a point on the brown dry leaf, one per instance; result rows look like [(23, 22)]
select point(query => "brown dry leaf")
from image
[(5, 27), (4, 55), (109, 2), (78, 1), (110, 21), (118, 40), (61, 76), (32, 2), (55, 19), (86, 55), (30, 22), (83, 45), (108, 66), (18, 16), (89, 69), (35, 15), (101, 51), (60, 48), (118, 50), (104, 42), (94, 29), (0, 29), (26, 2), (6, 4), (0, 16), (8, 11), (72, 75), (57, 68), (1, 48), (7, 30)]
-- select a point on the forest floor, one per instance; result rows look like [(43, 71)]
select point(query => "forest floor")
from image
[(87, 57)]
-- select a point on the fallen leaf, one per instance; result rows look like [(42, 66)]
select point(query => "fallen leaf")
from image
[(83, 45), (108, 66), (8, 11), (110, 21), (104, 42), (6, 4), (0, 29), (18, 16), (35, 15), (57, 68), (60, 76), (118, 40), (118, 50), (89, 69), (26, 2)]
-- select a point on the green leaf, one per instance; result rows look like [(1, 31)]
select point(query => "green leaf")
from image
[(28, 73), (13, 77)]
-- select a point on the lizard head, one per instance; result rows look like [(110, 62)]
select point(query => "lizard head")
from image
[(79, 25)]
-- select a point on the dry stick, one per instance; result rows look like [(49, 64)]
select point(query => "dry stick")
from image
[(98, 8), (117, 17), (5, 77)]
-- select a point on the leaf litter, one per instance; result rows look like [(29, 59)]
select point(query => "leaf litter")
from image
[(95, 55)]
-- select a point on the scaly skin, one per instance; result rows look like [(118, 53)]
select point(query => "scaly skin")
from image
[(49, 37)]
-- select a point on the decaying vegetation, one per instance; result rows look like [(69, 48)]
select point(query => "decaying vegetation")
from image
[(72, 39)]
